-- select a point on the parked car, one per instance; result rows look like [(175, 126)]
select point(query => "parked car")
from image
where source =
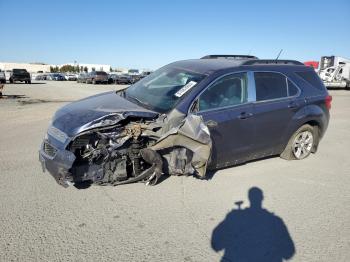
[(8, 74), (2, 77), (112, 78), (82, 78), (41, 77), (135, 78), (186, 117), (124, 79), (57, 77), (97, 77), (20, 75), (71, 77)]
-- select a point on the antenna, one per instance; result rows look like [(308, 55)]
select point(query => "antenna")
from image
[(279, 54)]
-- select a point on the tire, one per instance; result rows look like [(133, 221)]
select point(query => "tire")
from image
[(11, 80), (94, 81), (29, 82), (302, 143)]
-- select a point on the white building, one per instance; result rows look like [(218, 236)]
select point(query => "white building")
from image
[(30, 67)]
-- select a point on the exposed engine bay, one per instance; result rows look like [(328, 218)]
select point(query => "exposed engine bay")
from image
[(138, 150), (114, 156)]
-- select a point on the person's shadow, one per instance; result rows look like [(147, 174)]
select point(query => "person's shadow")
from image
[(253, 234)]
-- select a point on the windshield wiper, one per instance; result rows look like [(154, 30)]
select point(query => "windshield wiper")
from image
[(146, 105)]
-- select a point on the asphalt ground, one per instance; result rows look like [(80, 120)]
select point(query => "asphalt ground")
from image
[(305, 214)]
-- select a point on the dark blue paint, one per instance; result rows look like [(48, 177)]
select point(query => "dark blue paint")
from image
[(273, 122), (236, 139)]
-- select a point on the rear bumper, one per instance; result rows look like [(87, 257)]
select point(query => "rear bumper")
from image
[(57, 164), (21, 79)]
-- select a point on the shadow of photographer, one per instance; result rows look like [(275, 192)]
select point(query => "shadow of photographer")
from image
[(253, 233)]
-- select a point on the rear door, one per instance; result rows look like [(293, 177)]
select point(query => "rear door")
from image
[(228, 113), (276, 103)]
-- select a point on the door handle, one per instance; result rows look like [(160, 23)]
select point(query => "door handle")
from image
[(211, 123), (245, 115)]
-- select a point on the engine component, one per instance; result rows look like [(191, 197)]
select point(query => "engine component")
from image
[(154, 158), (135, 157)]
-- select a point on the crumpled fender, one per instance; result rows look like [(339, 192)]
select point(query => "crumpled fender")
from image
[(191, 134)]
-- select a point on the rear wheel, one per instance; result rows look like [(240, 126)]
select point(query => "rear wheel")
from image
[(301, 144), (11, 80)]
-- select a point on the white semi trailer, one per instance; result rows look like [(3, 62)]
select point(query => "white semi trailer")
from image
[(335, 71)]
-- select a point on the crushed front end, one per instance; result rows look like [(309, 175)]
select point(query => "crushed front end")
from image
[(131, 150)]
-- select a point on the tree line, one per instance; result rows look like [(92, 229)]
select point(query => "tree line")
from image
[(68, 68)]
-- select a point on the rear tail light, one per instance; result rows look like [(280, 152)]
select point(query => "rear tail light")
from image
[(328, 102)]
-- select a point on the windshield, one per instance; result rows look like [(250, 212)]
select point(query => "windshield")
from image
[(161, 90), (19, 71)]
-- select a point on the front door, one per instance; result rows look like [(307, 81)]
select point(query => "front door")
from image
[(226, 111)]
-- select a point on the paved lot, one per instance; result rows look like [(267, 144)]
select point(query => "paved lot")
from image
[(173, 221)]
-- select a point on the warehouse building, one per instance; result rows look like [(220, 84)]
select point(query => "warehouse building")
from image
[(30, 67)]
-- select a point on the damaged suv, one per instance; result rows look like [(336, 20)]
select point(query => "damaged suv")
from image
[(186, 117)]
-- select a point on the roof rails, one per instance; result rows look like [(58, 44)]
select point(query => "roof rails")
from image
[(234, 57), (271, 62)]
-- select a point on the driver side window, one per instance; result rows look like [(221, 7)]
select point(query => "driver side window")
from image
[(227, 91)]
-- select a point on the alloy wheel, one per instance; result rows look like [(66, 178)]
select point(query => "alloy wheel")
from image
[(302, 144)]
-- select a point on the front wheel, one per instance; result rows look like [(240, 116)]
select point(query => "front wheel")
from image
[(301, 144)]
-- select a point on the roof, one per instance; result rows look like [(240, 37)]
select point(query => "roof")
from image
[(207, 66)]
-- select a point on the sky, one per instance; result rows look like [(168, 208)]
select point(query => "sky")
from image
[(149, 34)]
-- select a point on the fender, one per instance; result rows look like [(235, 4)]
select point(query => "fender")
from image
[(312, 114)]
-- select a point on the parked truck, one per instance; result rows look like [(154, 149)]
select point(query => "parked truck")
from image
[(20, 75), (335, 71)]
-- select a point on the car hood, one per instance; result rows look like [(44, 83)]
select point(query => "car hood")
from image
[(100, 110)]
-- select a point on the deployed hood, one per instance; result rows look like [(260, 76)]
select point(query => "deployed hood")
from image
[(95, 111)]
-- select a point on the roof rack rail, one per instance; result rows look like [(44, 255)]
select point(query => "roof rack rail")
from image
[(272, 62), (229, 57)]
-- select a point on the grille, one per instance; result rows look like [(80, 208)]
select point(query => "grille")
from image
[(49, 149)]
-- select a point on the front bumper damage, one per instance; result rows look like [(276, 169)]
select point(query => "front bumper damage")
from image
[(58, 164), (181, 146)]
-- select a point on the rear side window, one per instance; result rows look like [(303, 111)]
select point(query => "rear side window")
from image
[(270, 86), (312, 78), (292, 89)]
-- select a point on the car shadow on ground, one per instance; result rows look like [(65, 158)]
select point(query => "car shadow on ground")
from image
[(253, 233), (33, 83), (12, 96), (337, 88)]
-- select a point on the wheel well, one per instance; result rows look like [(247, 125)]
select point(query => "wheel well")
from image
[(314, 123)]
